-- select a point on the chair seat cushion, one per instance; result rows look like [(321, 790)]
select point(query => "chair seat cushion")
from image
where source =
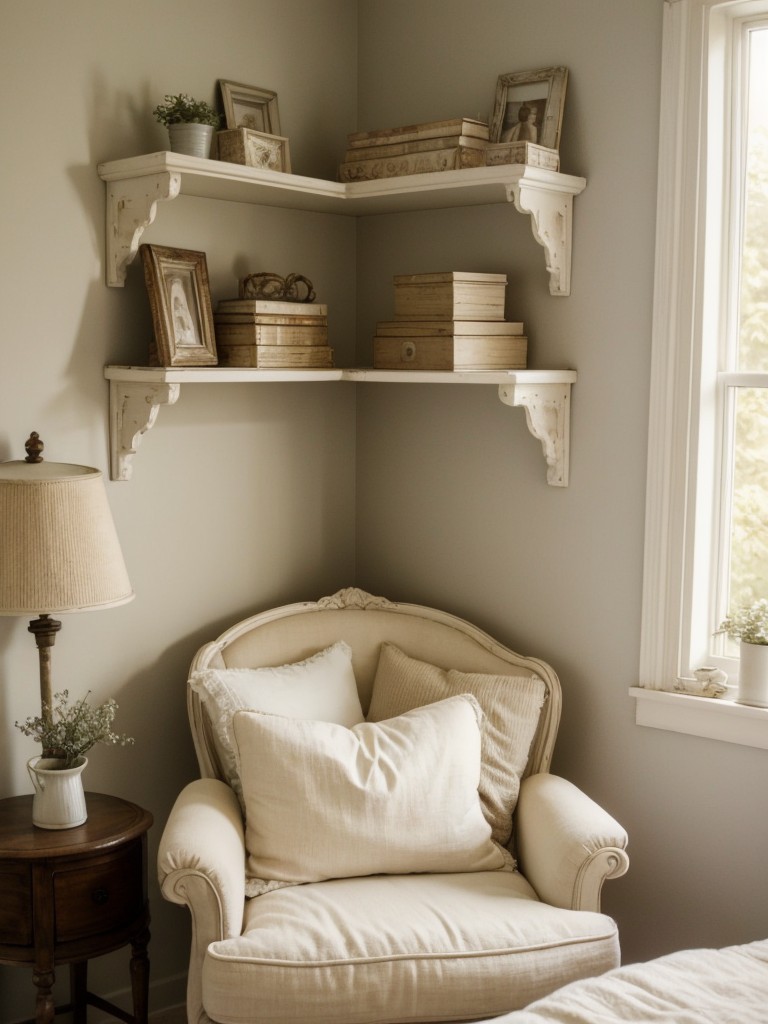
[(401, 948)]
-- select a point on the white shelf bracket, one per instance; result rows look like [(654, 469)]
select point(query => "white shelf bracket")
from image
[(548, 414), (133, 411), (551, 222), (131, 207)]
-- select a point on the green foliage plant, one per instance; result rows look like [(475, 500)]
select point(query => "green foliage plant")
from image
[(66, 731), (182, 109), (748, 623)]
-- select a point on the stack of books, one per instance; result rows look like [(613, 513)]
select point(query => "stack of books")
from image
[(450, 321), (415, 149), (270, 334)]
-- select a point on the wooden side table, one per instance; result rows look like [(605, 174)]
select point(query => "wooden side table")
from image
[(72, 894)]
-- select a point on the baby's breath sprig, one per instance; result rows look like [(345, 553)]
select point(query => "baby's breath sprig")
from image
[(67, 731)]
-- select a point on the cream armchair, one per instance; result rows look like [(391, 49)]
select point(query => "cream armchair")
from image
[(412, 908)]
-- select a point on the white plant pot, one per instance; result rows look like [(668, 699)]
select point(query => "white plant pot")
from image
[(191, 139), (753, 675), (59, 800)]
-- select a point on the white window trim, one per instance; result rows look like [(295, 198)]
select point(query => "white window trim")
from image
[(673, 481)]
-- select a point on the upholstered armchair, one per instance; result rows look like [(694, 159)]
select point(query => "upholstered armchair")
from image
[(375, 836)]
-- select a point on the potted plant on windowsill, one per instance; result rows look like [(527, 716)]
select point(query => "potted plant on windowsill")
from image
[(749, 625), (66, 733), (190, 123)]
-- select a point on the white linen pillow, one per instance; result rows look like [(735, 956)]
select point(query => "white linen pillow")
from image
[(511, 705), (322, 686), (394, 797)]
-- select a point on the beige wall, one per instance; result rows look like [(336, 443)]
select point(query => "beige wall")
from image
[(245, 497), (475, 527), (242, 497)]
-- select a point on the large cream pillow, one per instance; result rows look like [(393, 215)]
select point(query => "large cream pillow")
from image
[(511, 705), (322, 686), (393, 797)]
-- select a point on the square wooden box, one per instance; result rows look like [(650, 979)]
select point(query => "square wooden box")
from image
[(254, 149), (450, 296), (447, 351)]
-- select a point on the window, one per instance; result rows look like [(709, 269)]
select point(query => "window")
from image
[(707, 503)]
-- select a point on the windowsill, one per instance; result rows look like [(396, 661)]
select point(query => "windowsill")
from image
[(714, 718)]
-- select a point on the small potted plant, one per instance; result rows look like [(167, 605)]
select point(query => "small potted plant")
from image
[(749, 625), (190, 123), (66, 733)]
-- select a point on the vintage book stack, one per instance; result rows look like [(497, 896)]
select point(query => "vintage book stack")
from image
[(449, 321), (271, 334), (415, 149)]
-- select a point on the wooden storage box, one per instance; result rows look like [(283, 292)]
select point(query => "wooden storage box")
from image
[(433, 351), (254, 149), (450, 296), (276, 356), (522, 153)]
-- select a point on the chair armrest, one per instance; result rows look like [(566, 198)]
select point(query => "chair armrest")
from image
[(567, 844), (201, 862)]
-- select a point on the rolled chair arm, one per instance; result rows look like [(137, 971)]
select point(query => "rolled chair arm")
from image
[(567, 844), (201, 863)]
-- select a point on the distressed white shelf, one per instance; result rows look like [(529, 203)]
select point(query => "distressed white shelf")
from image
[(137, 392), (136, 185)]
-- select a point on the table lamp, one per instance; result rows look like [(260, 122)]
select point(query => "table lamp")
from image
[(59, 550)]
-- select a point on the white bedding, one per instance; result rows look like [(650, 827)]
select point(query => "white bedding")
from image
[(695, 986)]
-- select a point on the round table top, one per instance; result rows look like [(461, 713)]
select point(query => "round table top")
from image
[(110, 821)]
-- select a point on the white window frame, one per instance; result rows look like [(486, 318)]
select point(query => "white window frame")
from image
[(683, 406)]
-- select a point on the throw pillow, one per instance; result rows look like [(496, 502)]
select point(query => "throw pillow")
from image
[(511, 705), (322, 686), (394, 797)]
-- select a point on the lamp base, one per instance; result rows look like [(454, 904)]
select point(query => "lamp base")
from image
[(44, 630)]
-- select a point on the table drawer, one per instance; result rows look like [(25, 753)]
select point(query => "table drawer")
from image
[(15, 904), (101, 895)]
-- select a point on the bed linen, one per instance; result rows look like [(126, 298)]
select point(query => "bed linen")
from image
[(695, 986)]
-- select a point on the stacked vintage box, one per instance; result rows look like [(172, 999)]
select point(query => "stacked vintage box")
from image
[(415, 149), (270, 334), (449, 321)]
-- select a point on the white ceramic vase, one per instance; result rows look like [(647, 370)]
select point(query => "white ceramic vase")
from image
[(191, 139), (59, 800), (753, 674)]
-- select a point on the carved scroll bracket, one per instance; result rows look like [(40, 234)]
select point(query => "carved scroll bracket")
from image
[(131, 208), (551, 222), (548, 414), (133, 411)]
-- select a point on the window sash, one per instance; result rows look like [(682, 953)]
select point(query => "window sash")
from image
[(686, 405)]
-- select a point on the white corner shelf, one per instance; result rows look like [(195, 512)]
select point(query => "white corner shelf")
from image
[(137, 392), (136, 185)]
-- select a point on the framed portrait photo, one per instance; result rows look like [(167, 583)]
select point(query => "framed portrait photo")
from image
[(529, 107), (180, 301), (247, 106)]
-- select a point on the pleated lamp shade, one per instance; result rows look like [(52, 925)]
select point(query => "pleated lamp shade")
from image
[(59, 550)]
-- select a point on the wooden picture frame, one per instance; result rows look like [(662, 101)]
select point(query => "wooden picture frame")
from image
[(180, 301), (539, 96), (247, 106)]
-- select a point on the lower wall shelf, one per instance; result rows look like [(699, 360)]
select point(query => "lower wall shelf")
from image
[(137, 392)]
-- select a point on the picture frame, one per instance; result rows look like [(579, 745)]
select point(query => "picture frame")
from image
[(180, 301), (540, 97), (248, 106)]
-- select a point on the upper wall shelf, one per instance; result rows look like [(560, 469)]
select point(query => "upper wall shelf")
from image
[(137, 392), (136, 185)]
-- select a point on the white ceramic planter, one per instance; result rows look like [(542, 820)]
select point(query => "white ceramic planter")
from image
[(191, 139), (59, 800), (753, 674)]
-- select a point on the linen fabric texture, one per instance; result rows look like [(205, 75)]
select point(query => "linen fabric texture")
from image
[(511, 707), (381, 948), (322, 686), (395, 797)]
